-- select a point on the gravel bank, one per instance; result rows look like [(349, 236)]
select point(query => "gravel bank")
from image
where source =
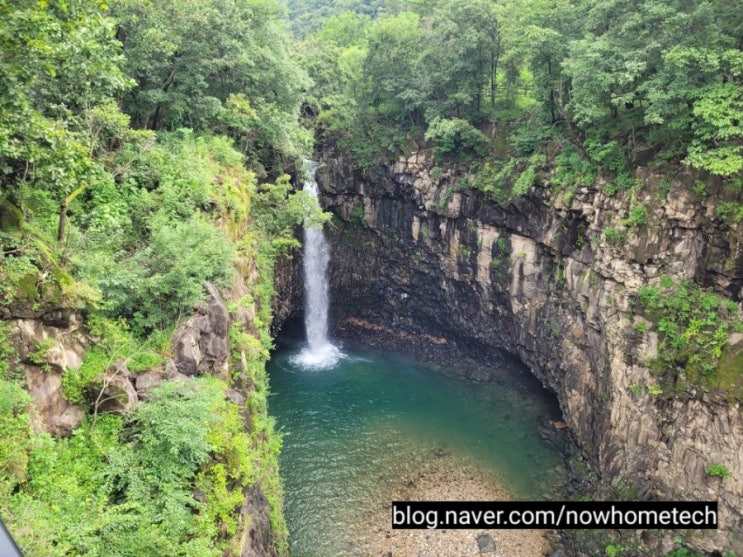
[(441, 476)]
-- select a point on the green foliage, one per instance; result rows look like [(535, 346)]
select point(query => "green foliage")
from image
[(503, 182), (74, 382), (637, 216), (655, 390), (573, 171), (390, 68), (638, 64), (307, 16), (731, 212), (39, 356), (143, 361), (56, 510), (528, 176), (172, 268), (345, 30), (718, 470), (718, 125), (593, 84), (169, 440), (456, 137), (122, 223), (60, 64), (693, 327), (380, 84), (115, 340), (126, 487), (682, 552), (622, 181), (460, 64), (614, 235), (609, 155), (278, 209), (17, 435), (211, 64), (149, 248)]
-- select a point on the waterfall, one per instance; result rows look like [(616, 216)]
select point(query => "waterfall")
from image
[(320, 353)]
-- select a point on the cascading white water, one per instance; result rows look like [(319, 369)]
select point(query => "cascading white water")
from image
[(320, 352)]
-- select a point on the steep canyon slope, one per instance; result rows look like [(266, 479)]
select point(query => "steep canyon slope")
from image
[(553, 278)]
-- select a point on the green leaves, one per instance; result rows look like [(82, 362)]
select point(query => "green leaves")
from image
[(693, 326), (453, 136), (718, 129), (189, 59), (671, 66)]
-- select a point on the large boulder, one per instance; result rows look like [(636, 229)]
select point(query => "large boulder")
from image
[(53, 414), (45, 349), (114, 392), (202, 344)]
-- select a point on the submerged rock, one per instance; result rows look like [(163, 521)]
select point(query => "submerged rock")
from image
[(485, 544)]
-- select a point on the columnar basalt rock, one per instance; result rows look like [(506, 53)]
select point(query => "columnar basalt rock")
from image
[(537, 277)]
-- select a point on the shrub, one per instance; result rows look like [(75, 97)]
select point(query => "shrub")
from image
[(74, 382), (166, 277), (719, 470), (637, 216), (614, 235), (454, 136), (16, 434)]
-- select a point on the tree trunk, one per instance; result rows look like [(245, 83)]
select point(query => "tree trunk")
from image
[(62, 221)]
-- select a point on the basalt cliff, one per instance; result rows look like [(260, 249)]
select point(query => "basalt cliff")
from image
[(421, 257)]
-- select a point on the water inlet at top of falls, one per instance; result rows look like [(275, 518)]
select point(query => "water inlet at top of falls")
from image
[(319, 353)]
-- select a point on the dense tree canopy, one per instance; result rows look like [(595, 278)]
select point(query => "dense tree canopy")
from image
[(220, 65), (647, 74)]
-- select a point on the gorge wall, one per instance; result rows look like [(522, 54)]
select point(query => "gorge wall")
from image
[(51, 341), (420, 257)]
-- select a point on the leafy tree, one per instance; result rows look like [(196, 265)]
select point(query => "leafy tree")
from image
[(60, 64), (344, 30), (189, 59), (670, 69), (462, 60), (391, 69), (307, 17), (455, 135), (717, 124)]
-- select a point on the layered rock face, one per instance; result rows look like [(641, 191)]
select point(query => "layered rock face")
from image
[(417, 253)]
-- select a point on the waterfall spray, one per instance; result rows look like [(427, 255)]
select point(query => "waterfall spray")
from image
[(320, 352)]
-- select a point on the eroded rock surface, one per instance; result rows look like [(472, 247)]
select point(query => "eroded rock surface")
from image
[(202, 345), (46, 346)]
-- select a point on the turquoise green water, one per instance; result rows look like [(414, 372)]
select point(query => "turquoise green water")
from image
[(351, 431)]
